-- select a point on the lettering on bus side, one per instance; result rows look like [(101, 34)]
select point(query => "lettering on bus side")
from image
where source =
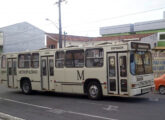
[(117, 47), (80, 76), (28, 72), (3, 72)]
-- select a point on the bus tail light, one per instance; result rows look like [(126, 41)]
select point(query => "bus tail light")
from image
[(135, 85)]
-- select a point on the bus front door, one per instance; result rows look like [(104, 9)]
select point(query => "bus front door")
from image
[(117, 73), (47, 73), (12, 73)]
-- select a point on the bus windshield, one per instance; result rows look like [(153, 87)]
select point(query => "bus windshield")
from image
[(141, 62)]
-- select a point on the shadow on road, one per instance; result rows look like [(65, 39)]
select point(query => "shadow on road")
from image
[(136, 99)]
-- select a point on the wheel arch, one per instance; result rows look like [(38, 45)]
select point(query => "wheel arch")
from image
[(87, 81), (24, 79)]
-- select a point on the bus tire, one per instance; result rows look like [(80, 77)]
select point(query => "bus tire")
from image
[(26, 87), (94, 91), (162, 90)]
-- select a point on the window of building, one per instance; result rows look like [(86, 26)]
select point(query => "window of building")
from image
[(59, 59), (52, 46), (24, 60), (3, 61), (94, 57), (74, 58), (35, 60), (162, 37)]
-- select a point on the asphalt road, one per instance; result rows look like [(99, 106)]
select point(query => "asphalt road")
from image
[(53, 106)]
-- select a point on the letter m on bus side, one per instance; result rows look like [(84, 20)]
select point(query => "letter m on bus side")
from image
[(80, 76)]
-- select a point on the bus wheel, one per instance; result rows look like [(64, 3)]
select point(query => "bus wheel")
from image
[(162, 90), (26, 87), (94, 91)]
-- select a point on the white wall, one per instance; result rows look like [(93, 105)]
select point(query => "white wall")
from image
[(1, 39), (22, 37)]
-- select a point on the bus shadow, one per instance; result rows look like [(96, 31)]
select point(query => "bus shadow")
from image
[(136, 99), (126, 99)]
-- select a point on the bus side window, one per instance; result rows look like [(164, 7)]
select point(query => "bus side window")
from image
[(35, 60), (94, 57), (123, 66), (24, 60), (74, 58), (59, 63), (3, 62)]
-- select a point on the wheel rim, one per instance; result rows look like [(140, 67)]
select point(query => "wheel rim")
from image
[(93, 91), (162, 90), (26, 87)]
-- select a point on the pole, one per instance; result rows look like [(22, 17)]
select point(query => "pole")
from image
[(60, 28), (65, 39)]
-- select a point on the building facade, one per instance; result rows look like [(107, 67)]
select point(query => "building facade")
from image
[(1, 42)]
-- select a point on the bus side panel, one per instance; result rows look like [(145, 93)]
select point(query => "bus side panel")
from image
[(99, 74), (73, 80), (59, 78), (3, 76), (33, 75)]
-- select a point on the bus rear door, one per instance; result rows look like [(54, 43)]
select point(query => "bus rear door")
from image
[(47, 73), (12, 73)]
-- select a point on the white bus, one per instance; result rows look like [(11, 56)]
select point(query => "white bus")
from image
[(123, 69)]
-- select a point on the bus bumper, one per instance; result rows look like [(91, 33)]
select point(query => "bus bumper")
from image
[(140, 91)]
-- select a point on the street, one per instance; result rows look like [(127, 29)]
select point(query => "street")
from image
[(56, 106)]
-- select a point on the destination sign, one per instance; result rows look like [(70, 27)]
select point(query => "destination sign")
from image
[(28, 72), (140, 46)]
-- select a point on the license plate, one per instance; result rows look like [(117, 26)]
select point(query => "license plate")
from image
[(145, 90)]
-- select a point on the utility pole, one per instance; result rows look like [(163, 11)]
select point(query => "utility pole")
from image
[(65, 33), (60, 26)]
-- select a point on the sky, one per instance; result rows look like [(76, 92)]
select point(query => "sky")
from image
[(79, 17)]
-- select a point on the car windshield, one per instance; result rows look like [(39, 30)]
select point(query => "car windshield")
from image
[(141, 62)]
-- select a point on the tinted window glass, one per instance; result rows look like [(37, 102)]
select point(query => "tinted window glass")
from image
[(51, 67), (74, 58), (112, 66), (123, 66), (94, 57), (24, 60), (35, 60), (3, 61), (59, 59)]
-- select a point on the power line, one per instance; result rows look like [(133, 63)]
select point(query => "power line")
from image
[(111, 18)]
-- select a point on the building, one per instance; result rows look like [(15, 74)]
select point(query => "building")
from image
[(22, 37), (155, 27), (25, 37), (1, 42)]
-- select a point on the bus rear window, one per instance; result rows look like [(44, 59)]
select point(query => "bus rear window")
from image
[(94, 57), (24, 60), (3, 61)]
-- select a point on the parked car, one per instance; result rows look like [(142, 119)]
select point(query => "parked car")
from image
[(160, 84)]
